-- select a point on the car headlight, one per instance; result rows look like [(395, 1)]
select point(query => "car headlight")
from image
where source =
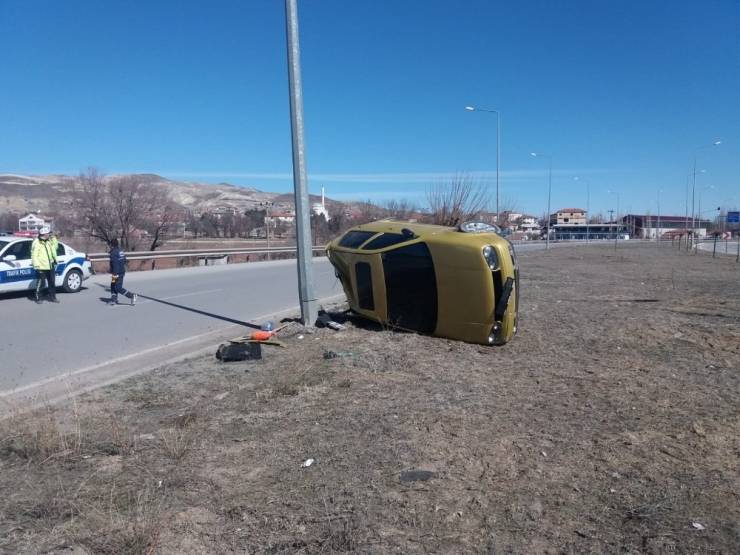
[(490, 255)]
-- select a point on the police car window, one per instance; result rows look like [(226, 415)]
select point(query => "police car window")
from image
[(354, 239), (21, 250), (386, 240), (60, 250), (3, 244)]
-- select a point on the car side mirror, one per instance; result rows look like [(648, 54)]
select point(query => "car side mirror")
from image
[(9, 258)]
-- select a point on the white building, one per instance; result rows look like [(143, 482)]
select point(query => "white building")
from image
[(319, 209), (529, 223), (34, 222)]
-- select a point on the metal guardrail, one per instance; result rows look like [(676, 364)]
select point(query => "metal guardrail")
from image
[(150, 255)]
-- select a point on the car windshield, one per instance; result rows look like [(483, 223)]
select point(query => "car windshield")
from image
[(3, 244)]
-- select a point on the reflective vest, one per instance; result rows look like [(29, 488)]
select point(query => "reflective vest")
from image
[(43, 253)]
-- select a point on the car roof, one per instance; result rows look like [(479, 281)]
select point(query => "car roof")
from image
[(424, 231), (429, 233)]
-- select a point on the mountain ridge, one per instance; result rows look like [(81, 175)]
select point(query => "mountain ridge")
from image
[(47, 193)]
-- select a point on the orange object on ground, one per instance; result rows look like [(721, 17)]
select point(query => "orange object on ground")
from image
[(263, 334)]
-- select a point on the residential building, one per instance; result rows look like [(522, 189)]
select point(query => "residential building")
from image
[(34, 222), (570, 216)]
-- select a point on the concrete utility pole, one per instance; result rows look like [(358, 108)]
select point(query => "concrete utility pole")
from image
[(306, 288)]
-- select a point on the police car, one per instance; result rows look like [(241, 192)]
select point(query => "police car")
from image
[(17, 273)]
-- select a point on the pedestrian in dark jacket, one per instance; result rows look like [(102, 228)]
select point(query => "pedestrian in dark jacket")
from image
[(118, 271)]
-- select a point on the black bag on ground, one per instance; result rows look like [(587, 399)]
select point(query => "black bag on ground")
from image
[(230, 352)]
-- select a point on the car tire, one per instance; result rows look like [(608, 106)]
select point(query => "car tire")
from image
[(72, 281)]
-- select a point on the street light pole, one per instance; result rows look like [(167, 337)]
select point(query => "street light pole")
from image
[(549, 194), (588, 195), (498, 152), (615, 219), (686, 224), (306, 287), (693, 192), (700, 191), (657, 233)]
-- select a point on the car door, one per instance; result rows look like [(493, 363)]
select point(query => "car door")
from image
[(61, 265), (17, 274)]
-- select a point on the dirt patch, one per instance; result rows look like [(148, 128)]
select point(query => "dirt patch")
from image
[(610, 424)]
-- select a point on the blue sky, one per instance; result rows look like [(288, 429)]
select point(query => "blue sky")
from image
[(621, 93)]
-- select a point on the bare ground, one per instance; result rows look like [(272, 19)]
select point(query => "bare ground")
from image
[(610, 424)]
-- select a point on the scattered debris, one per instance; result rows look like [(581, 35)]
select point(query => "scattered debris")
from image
[(677, 335), (150, 437), (260, 341), (262, 335), (300, 337), (268, 326), (332, 354), (221, 396), (307, 463), (698, 526), (326, 321), (416, 476), (239, 351)]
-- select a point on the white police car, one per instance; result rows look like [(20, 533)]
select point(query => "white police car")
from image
[(17, 273)]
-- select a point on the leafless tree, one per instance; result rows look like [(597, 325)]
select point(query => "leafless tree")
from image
[(460, 200), (399, 209), (9, 221), (126, 207), (369, 212)]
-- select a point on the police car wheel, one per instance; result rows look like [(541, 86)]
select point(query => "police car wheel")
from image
[(73, 281)]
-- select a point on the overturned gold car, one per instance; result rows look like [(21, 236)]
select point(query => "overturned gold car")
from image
[(460, 283)]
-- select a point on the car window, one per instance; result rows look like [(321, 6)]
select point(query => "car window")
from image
[(411, 287), (365, 295), (353, 239), (60, 250), (3, 244), (21, 250), (386, 240)]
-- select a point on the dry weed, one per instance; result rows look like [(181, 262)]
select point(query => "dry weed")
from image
[(177, 442), (130, 524), (116, 437), (40, 435)]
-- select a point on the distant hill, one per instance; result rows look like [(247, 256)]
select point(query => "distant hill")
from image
[(47, 193)]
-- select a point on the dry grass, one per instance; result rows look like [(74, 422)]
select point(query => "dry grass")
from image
[(608, 426)]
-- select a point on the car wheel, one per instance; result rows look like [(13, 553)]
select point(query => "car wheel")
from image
[(73, 281)]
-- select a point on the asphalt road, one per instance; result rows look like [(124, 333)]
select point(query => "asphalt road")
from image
[(84, 341)]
